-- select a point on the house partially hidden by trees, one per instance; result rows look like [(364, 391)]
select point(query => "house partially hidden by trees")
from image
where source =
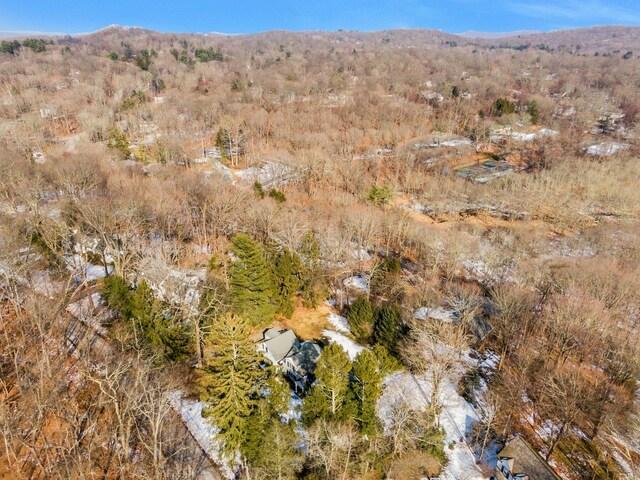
[(518, 460), (296, 359)]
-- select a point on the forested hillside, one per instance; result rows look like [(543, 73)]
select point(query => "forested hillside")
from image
[(319, 255)]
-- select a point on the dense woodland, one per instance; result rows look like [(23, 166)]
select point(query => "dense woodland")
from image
[(164, 198)]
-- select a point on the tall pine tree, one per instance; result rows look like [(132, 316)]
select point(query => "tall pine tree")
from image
[(286, 271), (252, 285), (160, 325), (366, 386), (272, 448), (327, 397), (231, 379), (117, 294), (388, 328)]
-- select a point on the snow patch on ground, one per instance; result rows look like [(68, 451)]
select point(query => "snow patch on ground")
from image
[(528, 137), (357, 282), (43, 284), (360, 254), (606, 148), (456, 142), (204, 433), (84, 270), (452, 142), (271, 174), (350, 346), (339, 322)]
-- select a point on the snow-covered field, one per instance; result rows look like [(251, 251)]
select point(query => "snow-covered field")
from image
[(522, 136), (452, 142), (528, 137)]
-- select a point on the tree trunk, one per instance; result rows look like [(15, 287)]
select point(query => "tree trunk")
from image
[(556, 440)]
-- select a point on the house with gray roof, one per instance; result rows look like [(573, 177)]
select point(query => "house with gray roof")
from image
[(296, 359), (518, 460)]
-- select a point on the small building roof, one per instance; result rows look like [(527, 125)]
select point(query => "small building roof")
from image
[(527, 461), (278, 346)]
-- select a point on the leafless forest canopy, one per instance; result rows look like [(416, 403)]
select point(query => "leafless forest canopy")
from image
[(469, 208)]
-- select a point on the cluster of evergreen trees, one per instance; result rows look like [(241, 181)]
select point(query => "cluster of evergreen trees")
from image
[(249, 404), (203, 55), (13, 46), (347, 391), (158, 323), (264, 281), (142, 59), (381, 325)]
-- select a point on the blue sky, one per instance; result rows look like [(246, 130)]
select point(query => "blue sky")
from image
[(233, 16)]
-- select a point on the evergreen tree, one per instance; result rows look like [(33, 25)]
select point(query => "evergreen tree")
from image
[(387, 280), (169, 333), (272, 403), (286, 271), (223, 143), (38, 45), (12, 47), (117, 294), (360, 318), (251, 280), (277, 195), (143, 306), (380, 196), (119, 141), (160, 325), (388, 328), (502, 106), (279, 395), (231, 380), (534, 112), (366, 386), (279, 458), (257, 187), (328, 395), (386, 362)]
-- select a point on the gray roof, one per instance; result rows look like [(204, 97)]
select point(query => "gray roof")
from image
[(527, 461), (271, 333), (305, 359), (279, 346)]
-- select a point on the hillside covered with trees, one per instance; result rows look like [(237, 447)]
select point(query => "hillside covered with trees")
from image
[(319, 255)]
